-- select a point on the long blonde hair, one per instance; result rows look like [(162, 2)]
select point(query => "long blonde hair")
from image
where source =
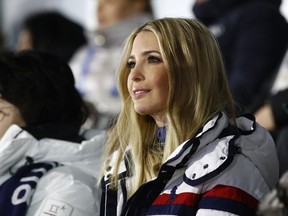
[(198, 90)]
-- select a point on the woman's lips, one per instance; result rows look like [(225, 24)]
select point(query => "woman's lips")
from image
[(139, 92)]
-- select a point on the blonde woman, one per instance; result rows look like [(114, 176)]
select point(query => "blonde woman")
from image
[(177, 147)]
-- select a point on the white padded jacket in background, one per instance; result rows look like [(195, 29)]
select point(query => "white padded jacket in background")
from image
[(68, 190)]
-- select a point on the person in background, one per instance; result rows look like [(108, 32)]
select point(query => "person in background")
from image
[(46, 167), (52, 32), (94, 64), (273, 114), (178, 146), (253, 36)]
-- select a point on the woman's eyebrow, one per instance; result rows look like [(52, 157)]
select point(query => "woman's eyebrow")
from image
[(150, 51), (144, 53)]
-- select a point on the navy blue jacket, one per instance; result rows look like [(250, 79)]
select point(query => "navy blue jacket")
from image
[(253, 37)]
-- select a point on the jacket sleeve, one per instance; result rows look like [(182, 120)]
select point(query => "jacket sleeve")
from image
[(224, 200), (65, 191)]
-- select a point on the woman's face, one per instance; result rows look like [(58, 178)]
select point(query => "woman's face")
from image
[(9, 115), (148, 80)]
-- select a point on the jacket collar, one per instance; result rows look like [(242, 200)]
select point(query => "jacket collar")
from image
[(206, 134)]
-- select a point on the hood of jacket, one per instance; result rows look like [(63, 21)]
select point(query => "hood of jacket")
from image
[(254, 142), (17, 145), (210, 10)]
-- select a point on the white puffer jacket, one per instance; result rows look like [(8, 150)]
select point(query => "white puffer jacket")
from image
[(221, 172), (72, 185)]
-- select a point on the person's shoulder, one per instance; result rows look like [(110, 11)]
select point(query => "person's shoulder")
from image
[(256, 145), (59, 179), (249, 145), (66, 186)]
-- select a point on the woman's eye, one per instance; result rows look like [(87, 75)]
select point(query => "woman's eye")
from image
[(153, 59), (131, 65)]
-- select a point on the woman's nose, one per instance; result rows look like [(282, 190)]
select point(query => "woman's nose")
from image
[(136, 74)]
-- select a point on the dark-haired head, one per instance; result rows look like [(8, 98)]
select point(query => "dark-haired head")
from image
[(41, 86), (51, 32)]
